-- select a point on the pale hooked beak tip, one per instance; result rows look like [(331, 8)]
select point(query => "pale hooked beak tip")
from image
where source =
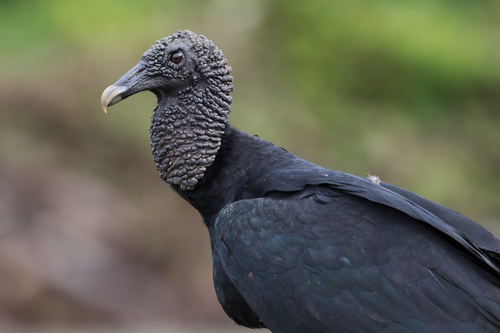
[(112, 95)]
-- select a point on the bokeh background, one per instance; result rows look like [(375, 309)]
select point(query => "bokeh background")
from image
[(90, 237)]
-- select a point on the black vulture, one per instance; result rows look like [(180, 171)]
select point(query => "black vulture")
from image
[(300, 248)]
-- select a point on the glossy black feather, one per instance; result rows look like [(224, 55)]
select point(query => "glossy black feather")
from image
[(314, 250)]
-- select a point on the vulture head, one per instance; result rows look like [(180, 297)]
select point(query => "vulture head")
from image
[(190, 78)]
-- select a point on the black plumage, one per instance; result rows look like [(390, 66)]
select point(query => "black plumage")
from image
[(296, 247)]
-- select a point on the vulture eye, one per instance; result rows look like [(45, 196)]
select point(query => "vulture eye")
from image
[(176, 57)]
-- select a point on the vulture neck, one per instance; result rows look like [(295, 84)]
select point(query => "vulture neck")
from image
[(186, 132), (241, 159)]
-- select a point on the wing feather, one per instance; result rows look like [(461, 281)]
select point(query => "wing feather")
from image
[(375, 269)]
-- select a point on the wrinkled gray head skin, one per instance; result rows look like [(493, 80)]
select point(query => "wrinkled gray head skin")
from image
[(191, 80)]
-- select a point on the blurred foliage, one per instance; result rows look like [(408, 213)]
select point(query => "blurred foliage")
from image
[(406, 90), (423, 57)]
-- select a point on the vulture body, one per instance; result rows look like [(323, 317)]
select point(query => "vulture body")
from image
[(300, 248)]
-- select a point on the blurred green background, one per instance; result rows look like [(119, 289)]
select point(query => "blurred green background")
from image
[(89, 234)]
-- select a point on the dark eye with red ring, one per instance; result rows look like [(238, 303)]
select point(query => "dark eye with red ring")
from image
[(176, 57)]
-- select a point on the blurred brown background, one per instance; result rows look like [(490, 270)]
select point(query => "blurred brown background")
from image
[(92, 239)]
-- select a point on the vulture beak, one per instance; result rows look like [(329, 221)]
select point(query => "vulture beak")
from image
[(126, 86)]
